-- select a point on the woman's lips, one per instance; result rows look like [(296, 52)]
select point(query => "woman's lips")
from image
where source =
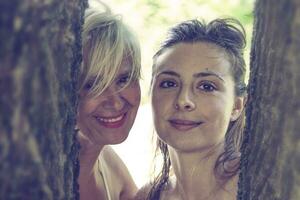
[(112, 122), (184, 125)]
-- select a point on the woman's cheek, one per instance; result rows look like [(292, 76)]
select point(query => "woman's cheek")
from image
[(133, 93)]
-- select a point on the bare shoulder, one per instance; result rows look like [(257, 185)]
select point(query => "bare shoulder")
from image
[(119, 172), (143, 192), (110, 156), (114, 162)]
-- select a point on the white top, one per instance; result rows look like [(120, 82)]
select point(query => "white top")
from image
[(101, 168)]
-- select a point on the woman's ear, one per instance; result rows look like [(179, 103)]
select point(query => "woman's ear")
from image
[(238, 107)]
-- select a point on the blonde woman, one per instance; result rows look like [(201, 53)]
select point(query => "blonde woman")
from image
[(109, 93)]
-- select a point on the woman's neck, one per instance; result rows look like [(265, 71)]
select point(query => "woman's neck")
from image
[(195, 177), (88, 155)]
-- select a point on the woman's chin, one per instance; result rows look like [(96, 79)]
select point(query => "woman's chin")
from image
[(117, 138)]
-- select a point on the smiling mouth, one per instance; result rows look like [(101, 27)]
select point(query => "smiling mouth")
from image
[(184, 125), (112, 122)]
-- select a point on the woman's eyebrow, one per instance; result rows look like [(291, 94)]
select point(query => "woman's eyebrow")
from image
[(92, 79), (197, 75), (167, 72), (125, 73), (208, 73)]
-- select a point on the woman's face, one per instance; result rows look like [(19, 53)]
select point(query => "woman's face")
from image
[(193, 96), (108, 118)]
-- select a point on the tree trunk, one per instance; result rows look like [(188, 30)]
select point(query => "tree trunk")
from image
[(40, 55), (270, 166)]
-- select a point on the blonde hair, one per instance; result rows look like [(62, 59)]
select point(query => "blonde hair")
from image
[(107, 41)]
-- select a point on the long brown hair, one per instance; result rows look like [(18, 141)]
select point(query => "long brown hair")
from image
[(228, 34)]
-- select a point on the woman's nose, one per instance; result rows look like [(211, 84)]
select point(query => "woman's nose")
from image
[(113, 99), (185, 101)]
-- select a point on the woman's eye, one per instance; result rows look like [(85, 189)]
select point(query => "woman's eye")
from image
[(88, 85), (207, 87), (167, 84), (123, 81)]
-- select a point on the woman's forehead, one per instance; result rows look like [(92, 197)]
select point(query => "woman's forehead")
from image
[(193, 58)]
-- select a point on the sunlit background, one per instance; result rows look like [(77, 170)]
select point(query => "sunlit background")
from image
[(150, 19)]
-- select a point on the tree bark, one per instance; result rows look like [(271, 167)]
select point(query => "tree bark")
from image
[(270, 166), (40, 55)]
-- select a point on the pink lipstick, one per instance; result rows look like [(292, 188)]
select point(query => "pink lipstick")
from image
[(184, 125), (112, 122)]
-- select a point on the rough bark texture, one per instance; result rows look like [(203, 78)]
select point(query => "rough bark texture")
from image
[(271, 151), (40, 54)]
